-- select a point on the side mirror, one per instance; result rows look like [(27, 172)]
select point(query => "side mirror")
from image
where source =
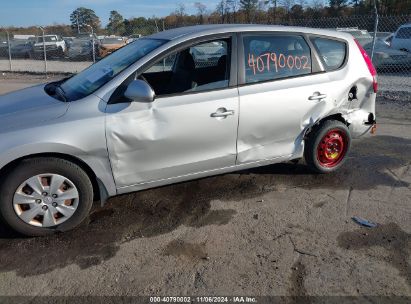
[(140, 91)]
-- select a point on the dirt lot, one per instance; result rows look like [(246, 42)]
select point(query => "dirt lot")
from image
[(276, 230)]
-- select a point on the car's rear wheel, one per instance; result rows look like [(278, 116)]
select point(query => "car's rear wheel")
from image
[(327, 146), (45, 195)]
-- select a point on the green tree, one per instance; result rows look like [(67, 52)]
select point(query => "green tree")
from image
[(201, 11), (336, 6), (81, 17), (223, 10), (249, 7), (297, 11), (287, 4), (115, 25)]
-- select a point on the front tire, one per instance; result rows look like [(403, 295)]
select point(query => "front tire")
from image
[(327, 146), (45, 195)]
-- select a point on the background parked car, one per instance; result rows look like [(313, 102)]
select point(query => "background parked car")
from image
[(82, 49), (68, 41), (133, 38), (110, 44), (385, 56), (55, 46), (208, 54), (402, 38), (87, 36), (362, 36), (21, 49), (4, 48)]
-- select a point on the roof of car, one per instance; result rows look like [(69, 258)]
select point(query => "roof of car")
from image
[(202, 30)]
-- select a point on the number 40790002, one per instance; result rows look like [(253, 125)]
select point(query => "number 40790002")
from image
[(273, 61)]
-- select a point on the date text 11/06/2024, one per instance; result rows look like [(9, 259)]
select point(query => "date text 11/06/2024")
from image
[(239, 299)]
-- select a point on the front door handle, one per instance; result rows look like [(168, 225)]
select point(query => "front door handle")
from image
[(222, 113), (317, 96)]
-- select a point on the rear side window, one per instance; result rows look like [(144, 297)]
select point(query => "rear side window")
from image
[(275, 57), (404, 33), (332, 52)]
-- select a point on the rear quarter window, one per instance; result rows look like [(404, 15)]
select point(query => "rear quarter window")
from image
[(270, 57), (332, 52)]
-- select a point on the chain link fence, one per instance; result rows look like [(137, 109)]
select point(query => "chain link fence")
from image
[(50, 52)]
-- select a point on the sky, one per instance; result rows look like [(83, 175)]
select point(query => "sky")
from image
[(47, 12)]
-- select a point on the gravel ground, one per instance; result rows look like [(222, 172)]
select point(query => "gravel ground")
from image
[(277, 230)]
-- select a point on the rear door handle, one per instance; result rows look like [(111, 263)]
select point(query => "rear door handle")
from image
[(222, 113), (317, 96)]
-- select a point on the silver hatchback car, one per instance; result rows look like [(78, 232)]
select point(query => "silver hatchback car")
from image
[(152, 114)]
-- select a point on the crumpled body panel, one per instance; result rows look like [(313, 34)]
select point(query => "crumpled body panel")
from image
[(171, 137), (275, 116)]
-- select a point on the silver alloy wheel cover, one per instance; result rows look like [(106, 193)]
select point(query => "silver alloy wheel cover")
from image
[(46, 210)]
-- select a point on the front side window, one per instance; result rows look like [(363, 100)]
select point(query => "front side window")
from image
[(201, 67), (97, 75), (332, 52), (270, 57)]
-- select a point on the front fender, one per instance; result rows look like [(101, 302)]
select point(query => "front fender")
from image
[(98, 162)]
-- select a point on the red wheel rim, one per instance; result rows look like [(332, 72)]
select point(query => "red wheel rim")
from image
[(332, 148)]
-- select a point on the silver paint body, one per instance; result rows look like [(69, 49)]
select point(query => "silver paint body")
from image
[(138, 145)]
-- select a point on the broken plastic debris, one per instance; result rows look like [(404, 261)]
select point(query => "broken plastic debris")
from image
[(363, 222)]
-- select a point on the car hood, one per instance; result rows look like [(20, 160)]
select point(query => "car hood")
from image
[(28, 107)]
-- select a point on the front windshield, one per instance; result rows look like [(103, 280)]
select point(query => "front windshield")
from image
[(97, 75)]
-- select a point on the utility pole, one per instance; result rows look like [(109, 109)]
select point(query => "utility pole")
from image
[(44, 50), (78, 25), (9, 48), (374, 39), (92, 41)]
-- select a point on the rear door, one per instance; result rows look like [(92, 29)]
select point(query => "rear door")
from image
[(283, 89)]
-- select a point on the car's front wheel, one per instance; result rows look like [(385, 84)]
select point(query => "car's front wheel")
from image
[(44, 195), (327, 146)]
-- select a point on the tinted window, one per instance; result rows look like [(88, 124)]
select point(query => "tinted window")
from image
[(332, 52), (404, 33), (274, 57)]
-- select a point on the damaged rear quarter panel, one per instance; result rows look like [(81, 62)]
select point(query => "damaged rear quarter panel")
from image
[(276, 115)]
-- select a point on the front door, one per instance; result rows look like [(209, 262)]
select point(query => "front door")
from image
[(191, 126)]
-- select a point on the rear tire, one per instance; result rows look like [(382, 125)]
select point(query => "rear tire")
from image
[(42, 202), (327, 146)]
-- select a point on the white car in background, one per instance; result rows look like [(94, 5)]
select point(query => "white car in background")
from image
[(54, 44), (402, 38)]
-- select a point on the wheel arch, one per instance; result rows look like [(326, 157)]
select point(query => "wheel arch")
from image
[(99, 189), (335, 116)]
